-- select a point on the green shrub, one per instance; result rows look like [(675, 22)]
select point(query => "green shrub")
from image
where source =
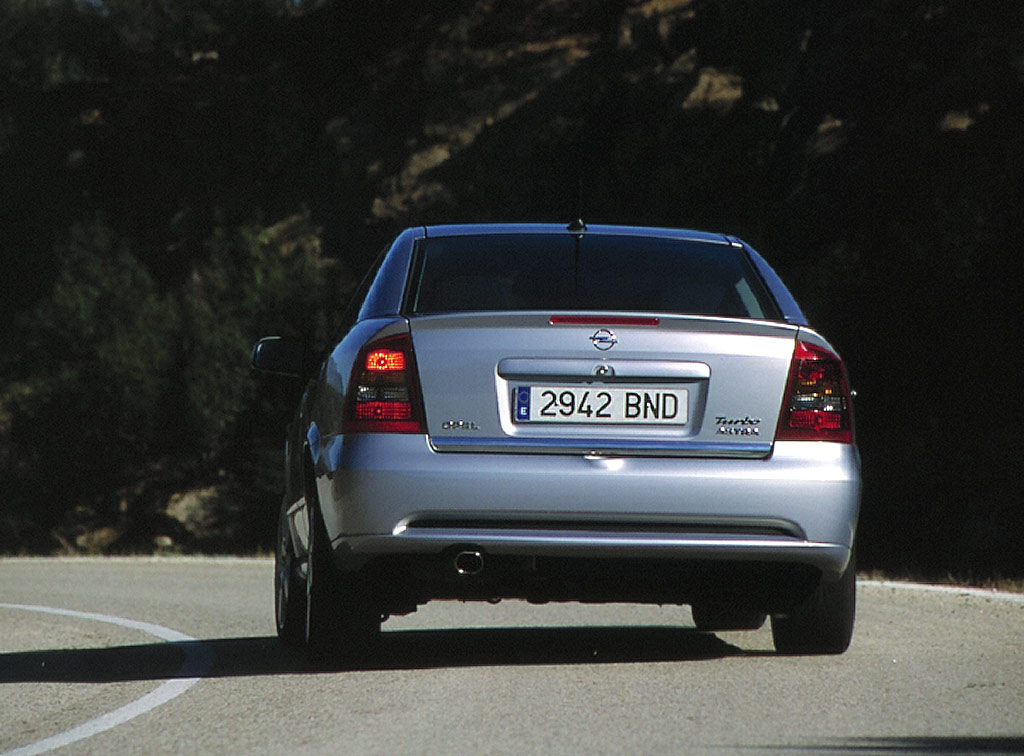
[(83, 375), (108, 374)]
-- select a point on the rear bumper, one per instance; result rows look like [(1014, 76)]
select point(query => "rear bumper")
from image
[(394, 495), (828, 558)]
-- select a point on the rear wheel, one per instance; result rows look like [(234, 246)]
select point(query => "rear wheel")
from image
[(823, 624), (717, 617), (289, 588), (342, 622)]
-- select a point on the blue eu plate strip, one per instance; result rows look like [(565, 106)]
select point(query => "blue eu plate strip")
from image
[(522, 403)]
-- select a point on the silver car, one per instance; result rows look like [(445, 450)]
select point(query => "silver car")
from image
[(574, 413)]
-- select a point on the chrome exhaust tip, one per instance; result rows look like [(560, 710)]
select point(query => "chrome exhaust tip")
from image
[(469, 563)]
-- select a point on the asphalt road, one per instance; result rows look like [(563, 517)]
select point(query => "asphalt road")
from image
[(178, 656)]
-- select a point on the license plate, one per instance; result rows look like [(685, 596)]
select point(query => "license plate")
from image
[(612, 405)]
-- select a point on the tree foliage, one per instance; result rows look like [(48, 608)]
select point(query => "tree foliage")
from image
[(84, 392), (109, 372)]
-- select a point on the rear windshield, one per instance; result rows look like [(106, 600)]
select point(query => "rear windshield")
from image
[(597, 273)]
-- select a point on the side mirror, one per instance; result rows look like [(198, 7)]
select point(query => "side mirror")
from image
[(278, 356)]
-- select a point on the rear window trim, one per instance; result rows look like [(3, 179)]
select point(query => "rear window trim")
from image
[(762, 290), (415, 279)]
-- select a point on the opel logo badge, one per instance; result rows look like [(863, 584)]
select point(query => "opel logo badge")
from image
[(603, 339)]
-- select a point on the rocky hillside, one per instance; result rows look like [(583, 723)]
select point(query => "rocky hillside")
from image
[(871, 151)]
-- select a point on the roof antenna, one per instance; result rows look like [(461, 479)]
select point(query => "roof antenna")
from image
[(578, 226)]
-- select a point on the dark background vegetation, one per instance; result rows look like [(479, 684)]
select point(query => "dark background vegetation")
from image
[(179, 177)]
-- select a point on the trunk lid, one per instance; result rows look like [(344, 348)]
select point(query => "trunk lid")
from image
[(602, 385)]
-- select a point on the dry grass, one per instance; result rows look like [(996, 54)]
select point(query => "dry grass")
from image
[(1011, 585)]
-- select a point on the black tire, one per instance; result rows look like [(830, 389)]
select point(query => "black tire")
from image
[(716, 617), (342, 622), (823, 624), (289, 588)]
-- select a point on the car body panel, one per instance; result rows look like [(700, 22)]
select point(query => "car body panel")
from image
[(732, 371), (380, 489)]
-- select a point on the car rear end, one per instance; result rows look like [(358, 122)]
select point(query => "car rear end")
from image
[(609, 415)]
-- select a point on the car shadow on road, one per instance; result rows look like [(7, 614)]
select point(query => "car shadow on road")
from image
[(402, 649), (422, 649), (909, 746)]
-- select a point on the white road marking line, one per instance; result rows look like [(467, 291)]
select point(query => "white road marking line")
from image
[(198, 660)]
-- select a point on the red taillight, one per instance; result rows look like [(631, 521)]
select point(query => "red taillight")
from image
[(817, 405), (383, 410), (384, 361), (384, 393)]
